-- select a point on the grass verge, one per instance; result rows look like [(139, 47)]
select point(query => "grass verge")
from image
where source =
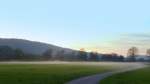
[(140, 76)]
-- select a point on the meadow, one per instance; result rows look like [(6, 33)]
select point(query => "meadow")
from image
[(140, 76), (55, 73)]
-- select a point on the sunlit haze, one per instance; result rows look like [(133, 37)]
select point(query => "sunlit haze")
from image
[(104, 26)]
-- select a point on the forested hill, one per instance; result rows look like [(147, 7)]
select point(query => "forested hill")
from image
[(31, 47), (19, 49)]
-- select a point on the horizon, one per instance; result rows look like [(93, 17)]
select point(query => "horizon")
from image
[(102, 26), (125, 55)]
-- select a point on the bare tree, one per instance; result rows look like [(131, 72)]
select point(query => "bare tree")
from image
[(132, 53), (148, 52)]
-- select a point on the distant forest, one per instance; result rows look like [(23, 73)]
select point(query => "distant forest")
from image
[(8, 54)]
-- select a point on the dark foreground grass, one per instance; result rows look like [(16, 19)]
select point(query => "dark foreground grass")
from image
[(141, 76), (45, 73)]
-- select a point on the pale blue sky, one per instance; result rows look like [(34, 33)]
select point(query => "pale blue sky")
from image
[(99, 25)]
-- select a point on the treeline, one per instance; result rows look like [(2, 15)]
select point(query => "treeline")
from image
[(81, 56), (134, 56), (8, 53)]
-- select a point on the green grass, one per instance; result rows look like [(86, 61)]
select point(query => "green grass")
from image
[(45, 73), (141, 76)]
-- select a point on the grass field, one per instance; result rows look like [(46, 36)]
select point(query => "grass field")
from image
[(141, 76), (46, 73)]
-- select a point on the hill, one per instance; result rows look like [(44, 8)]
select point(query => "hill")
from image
[(30, 47)]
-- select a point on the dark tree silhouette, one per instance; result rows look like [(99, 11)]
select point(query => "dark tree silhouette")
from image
[(6, 52), (132, 53), (19, 54), (60, 55), (82, 56), (148, 52), (47, 55), (94, 56)]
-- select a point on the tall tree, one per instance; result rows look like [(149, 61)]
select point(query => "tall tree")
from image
[(132, 53), (94, 56), (148, 52), (82, 55)]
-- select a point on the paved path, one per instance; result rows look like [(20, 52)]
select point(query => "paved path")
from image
[(96, 78)]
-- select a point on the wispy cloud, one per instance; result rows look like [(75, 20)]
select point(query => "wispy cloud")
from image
[(140, 40), (134, 38)]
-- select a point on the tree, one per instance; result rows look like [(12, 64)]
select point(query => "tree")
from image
[(94, 56), (132, 53), (48, 54), (19, 54), (148, 52), (60, 55), (6, 53), (82, 55), (121, 58)]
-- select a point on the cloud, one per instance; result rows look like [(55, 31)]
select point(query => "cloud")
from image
[(140, 35), (139, 40)]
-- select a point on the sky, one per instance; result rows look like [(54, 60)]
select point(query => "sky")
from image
[(105, 26)]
